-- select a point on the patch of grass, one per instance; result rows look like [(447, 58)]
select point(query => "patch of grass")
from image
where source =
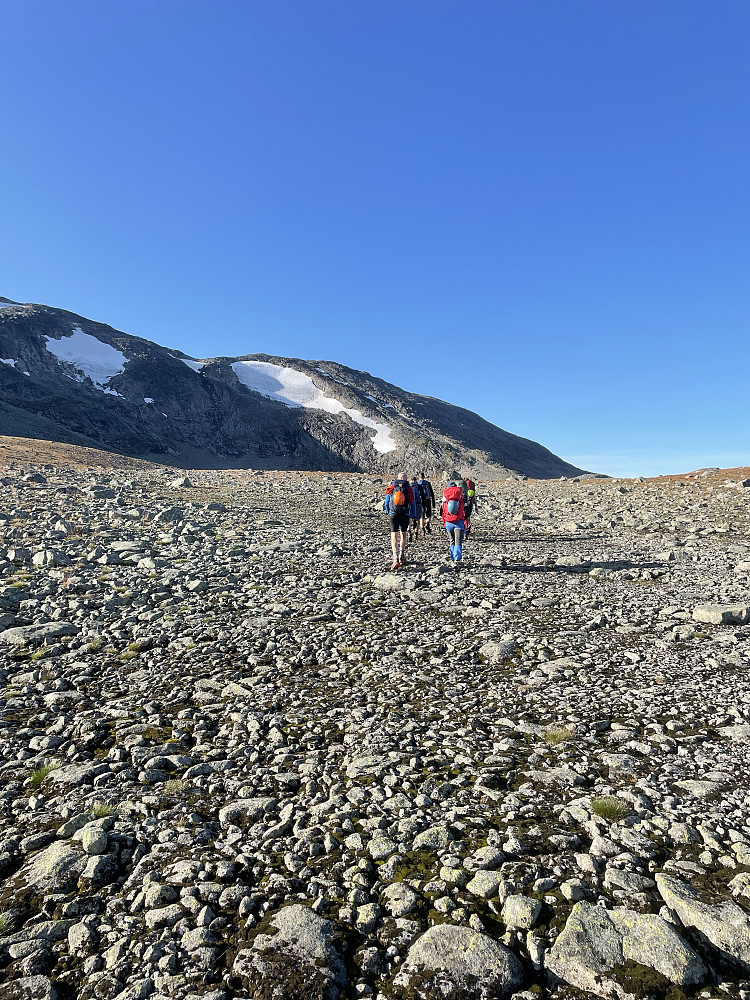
[(175, 786), (560, 735), (99, 810), (37, 777), (95, 645), (609, 807), (129, 654), (5, 923)]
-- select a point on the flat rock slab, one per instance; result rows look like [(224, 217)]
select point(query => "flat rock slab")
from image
[(457, 961), (595, 945), (55, 869), (34, 635), (699, 789), (722, 614), (555, 776), (76, 774)]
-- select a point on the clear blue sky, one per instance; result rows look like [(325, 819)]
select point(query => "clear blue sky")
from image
[(539, 209)]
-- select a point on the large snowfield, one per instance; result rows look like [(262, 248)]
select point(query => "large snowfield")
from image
[(91, 357), (294, 388)]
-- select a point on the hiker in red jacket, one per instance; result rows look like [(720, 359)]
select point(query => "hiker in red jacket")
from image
[(399, 498), (453, 516)]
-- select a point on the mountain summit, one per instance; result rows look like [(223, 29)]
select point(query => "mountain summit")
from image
[(67, 378)]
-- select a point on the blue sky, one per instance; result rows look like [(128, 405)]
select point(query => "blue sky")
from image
[(538, 210)]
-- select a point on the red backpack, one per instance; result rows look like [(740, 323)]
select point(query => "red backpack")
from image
[(453, 504)]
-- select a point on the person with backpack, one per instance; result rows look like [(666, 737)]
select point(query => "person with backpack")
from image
[(399, 498), (416, 511), (453, 515), (470, 502), (428, 500)]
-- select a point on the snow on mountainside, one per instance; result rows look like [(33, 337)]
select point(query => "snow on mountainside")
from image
[(70, 379), (89, 358), (293, 388)]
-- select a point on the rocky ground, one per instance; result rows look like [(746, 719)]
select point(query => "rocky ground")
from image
[(241, 759)]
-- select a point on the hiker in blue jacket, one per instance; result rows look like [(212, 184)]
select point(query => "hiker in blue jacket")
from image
[(416, 511)]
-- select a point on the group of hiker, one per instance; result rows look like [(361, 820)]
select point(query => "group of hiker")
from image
[(410, 504)]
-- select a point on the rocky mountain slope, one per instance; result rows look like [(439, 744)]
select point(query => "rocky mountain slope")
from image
[(66, 378), (240, 760)]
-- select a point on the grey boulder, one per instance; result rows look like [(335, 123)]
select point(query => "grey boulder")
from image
[(30, 635), (725, 925), (592, 951), (300, 959), (457, 961)]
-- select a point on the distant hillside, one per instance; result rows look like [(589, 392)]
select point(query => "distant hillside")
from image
[(66, 378)]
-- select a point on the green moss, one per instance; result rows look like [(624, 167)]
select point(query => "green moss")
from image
[(420, 865), (641, 981)]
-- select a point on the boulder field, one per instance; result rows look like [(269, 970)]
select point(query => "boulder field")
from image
[(241, 759)]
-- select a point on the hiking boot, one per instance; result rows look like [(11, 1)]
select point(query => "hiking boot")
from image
[(395, 565), (402, 559)]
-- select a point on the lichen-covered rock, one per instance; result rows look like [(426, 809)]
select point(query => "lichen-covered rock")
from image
[(399, 899), (29, 988), (55, 869), (450, 961), (619, 953), (298, 958), (521, 912), (724, 925)]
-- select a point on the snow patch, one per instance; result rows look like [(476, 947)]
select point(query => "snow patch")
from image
[(147, 399), (195, 365), (294, 388), (91, 358), (7, 361)]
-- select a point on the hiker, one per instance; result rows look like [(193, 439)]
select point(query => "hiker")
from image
[(416, 511), (470, 502), (399, 498), (453, 516), (428, 500)]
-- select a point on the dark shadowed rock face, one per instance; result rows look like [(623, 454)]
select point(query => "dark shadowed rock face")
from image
[(66, 378)]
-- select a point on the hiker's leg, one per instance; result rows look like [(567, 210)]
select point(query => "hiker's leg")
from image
[(449, 530), (459, 536), (403, 543), (394, 544)]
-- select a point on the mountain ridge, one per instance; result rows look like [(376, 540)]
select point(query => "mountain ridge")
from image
[(68, 378)]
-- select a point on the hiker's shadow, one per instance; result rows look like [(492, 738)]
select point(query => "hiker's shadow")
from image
[(619, 564)]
